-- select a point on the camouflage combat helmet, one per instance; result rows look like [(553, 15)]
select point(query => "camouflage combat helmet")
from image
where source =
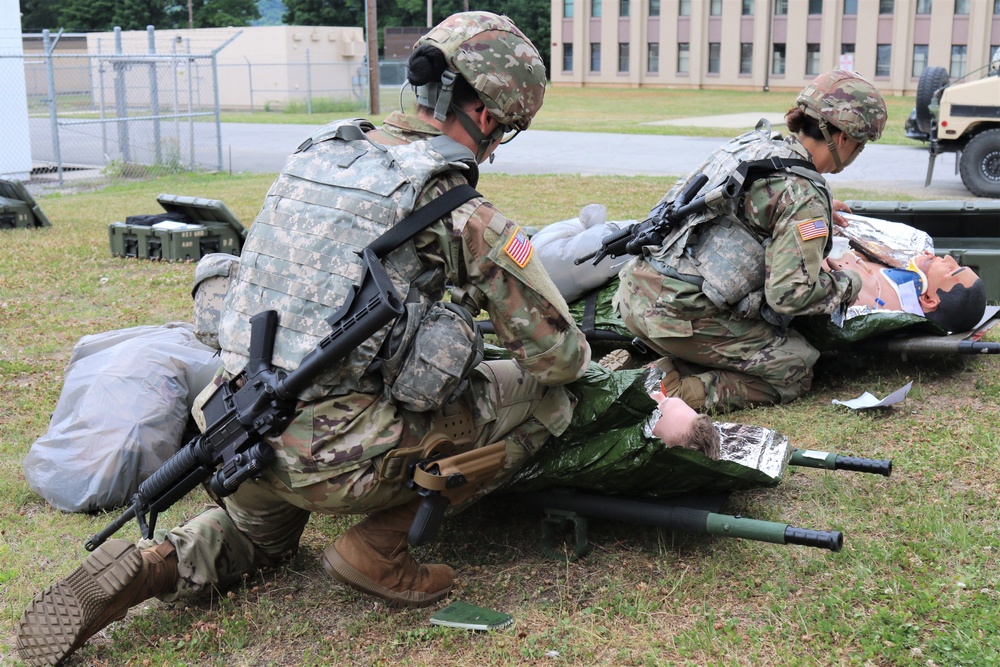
[(847, 101), (498, 61)]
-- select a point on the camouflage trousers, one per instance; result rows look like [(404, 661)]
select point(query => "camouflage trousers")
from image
[(741, 362), (264, 519)]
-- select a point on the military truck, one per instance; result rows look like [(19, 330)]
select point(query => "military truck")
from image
[(961, 118)]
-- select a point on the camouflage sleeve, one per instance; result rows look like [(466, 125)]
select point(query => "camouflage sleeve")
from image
[(529, 315), (799, 219)]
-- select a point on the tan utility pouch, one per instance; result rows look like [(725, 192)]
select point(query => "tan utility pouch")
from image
[(450, 434), (461, 476)]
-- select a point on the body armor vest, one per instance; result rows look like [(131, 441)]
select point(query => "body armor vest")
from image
[(334, 196), (715, 248)]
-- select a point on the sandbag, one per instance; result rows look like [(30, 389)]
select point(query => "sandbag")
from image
[(122, 413)]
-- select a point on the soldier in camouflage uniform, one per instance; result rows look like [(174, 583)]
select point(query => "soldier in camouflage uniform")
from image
[(725, 309), (477, 79)]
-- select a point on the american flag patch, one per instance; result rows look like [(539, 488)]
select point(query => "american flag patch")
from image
[(519, 248), (812, 229)]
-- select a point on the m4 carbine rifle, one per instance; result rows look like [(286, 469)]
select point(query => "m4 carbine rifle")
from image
[(666, 215), (258, 404)]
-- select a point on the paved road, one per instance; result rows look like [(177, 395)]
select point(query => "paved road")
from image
[(248, 147), (263, 148)]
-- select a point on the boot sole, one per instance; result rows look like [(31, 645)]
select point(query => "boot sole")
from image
[(58, 621), (342, 571)]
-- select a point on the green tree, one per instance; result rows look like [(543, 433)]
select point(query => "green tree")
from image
[(37, 15), (531, 16), (222, 13)]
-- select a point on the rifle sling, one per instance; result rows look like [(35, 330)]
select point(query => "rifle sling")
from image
[(421, 219)]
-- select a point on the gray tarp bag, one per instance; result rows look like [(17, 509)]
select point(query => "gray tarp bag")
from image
[(122, 413)]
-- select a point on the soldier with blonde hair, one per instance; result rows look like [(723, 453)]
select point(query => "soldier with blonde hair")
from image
[(478, 81)]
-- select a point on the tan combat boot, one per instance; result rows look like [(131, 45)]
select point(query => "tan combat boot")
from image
[(372, 557), (66, 614)]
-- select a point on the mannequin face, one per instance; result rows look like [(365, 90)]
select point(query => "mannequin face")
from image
[(676, 419), (943, 273)]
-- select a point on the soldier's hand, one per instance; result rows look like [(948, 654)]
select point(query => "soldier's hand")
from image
[(838, 208)]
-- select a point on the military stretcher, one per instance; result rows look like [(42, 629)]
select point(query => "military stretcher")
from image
[(625, 480)]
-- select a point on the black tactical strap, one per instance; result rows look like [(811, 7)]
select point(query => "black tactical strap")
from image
[(421, 219), (752, 170)]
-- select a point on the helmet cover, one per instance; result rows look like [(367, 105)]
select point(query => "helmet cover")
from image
[(847, 101), (498, 61)]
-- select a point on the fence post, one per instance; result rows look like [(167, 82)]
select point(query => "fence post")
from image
[(50, 75), (309, 87), (190, 76), (100, 73), (121, 108), (218, 120), (154, 96), (250, 80)]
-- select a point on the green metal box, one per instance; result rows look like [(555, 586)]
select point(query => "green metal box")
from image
[(18, 209), (969, 231), (189, 229)]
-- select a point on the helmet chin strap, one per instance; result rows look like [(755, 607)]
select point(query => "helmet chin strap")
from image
[(484, 141), (832, 145)]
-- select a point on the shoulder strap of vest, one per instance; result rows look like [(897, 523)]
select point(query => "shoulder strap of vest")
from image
[(346, 130), (421, 219), (753, 170)]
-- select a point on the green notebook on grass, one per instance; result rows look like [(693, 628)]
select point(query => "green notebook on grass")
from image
[(464, 615)]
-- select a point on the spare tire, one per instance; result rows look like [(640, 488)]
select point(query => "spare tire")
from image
[(932, 79), (980, 164)]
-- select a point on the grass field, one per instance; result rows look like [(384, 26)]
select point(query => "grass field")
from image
[(623, 110), (916, 584)]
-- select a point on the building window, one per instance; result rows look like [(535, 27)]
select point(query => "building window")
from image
[(812, 59), (778, 59), (567, 57), (624, 7), (567, 9), (815, 6), (961, 7), (653, 57), (595, 56), (885, 6), (654, 7), (850, 6), (996, 6), (780, 7), (746, 58), (958, 53), (715, 8), (684, 8), (595, 8), (748, 7), (714, 48), (846, 56), (623, 57), (683, 57), (919, 59), (883, 59), (923, 6)]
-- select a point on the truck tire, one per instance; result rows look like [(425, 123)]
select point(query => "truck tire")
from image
[(932, 79), (980, 164)]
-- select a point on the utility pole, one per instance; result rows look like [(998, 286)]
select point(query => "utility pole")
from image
[(372, 57), (191, 14)]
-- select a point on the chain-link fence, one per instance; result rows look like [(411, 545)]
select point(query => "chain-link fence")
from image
[(121, 115), (101, 111)]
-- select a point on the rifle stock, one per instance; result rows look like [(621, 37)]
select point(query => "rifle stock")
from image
[(257, 404)]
